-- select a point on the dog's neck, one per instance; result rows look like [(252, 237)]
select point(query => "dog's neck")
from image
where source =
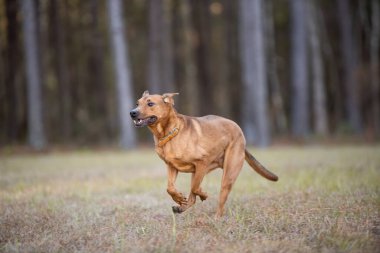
[(164, 126)]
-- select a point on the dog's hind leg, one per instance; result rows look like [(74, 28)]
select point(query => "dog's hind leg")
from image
[(233, 163), (196, 181)]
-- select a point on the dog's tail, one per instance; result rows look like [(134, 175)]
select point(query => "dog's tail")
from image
[(259, 168)]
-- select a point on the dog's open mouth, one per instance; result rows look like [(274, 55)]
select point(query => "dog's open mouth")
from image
[(145, 122)]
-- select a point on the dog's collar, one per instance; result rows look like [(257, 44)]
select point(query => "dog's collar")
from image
[(173, 133)]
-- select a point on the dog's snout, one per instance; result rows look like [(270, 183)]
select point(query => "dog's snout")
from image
[(134, 113)]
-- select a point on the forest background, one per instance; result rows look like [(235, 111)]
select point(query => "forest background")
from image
[(71, 70)]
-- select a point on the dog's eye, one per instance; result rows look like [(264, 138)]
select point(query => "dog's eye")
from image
[(150, 104)]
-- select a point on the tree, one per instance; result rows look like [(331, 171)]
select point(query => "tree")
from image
[(280, 120), (299, 70), (13, 103), (231, 12), (36, 134), (167, 63), (349, 63), (375, 66), (254, 111), (58, 37), (97, 79), (186, 71), (317, 71), (202, 33), (122, 73), (160, 67), (322, 71), (155, 33)]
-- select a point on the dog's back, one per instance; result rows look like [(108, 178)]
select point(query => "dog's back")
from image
[(211, 125)]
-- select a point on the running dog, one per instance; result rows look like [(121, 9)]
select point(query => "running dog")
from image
[(195, 145)]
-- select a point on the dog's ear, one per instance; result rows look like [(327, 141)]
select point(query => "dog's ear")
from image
[(168, 97), (146, 93)]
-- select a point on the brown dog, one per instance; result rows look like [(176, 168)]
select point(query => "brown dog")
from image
[(195, 145)]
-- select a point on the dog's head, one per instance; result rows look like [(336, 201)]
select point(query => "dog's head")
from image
[(152, 108)]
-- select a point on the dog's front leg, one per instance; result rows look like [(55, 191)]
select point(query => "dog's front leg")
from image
[(178, 197), (196, 180)]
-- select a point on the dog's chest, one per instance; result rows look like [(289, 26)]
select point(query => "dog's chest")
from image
[(177, 159)]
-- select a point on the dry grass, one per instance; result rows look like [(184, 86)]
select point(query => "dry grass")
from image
[(327, 200)]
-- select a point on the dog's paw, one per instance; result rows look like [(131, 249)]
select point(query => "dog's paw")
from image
[(177, 209), (203, 197), (180, 199)]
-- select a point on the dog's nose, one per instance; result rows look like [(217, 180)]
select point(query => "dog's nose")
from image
[(134, 113)]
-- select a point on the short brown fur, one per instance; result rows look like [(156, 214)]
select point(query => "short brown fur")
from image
[(200, 145)]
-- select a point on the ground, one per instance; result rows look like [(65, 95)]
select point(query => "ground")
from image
[(326, 200)]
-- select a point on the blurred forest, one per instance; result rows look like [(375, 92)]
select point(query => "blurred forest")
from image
[(70, 70)]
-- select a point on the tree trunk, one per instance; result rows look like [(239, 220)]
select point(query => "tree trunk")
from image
[(187, 71), (201, 22), (160, 66), (333, 89), (12, 67), (374, 58), (350, 61), (167, 63), (122, 73), (97, 78), (154, 75), (58, 37), (248, 78), (299, 70), (234, 82), (280, 121), (219, 65), (36, 134), (318, 75), (255, 115)]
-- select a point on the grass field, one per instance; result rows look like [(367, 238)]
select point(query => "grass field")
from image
[(327, 200)]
